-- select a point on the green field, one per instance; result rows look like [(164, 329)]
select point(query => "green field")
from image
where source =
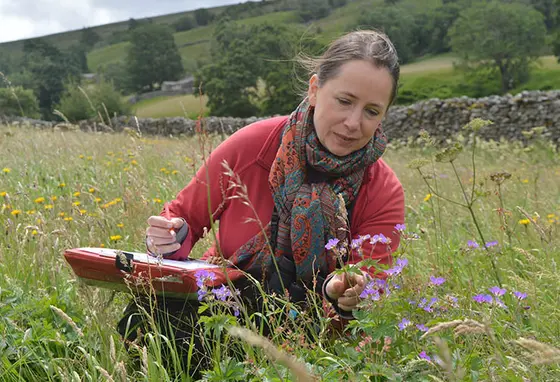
[(178, 106), (74, 189)]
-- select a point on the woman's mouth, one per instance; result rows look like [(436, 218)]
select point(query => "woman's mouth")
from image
[(344, 138)]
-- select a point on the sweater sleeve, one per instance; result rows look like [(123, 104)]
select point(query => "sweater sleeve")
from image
[(383, 211), (205, 195)]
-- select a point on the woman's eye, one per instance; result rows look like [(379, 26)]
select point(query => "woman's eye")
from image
[(372, 112), (343, 101)]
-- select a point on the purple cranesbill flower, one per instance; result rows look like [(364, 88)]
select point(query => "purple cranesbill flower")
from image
[(331, 243), (520, 296), (428, 308), (491, 244), (481, 298), (356, 243), (371, 291), (402, 262), (201, 294), (497, 291), (472, 244), (222, 293), (405, 322), (202, 276), (423, 355), (422, 303), (422, 327), (499, 302), (400, 227), (436, 280)]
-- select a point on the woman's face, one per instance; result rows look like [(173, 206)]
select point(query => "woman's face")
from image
[(349, 107)]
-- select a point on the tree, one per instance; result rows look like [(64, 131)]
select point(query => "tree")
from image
[(251, 72), (152, 57), (185, 23), (507, 37), (18, 101), (556, 45), (203, 16), (88, 38), (314, 9)]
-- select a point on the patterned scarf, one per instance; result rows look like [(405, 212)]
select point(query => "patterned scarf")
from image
[(308, 183)]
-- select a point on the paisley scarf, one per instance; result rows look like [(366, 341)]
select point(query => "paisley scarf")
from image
[(308, 183)]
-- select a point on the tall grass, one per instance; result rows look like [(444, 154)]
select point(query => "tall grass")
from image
[(62, 190)]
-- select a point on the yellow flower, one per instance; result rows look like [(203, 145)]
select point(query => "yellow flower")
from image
[(102, 245), (31, 212), (524, 221), (156, 200), (163, 169), (525, 181), (68, 219), (82, 156), (120, 225), (54, 198), (3, 193), (118, 200), (6, 170), (15, 212), (97, 200), (427, 197), (61, 214), (116, 237), (91, 190), (83, 212), (133, 162), (174, 172), (90, 158), (110, 153), (40, 221), (551, 216), (126, 169), (119, 160), (108, 163), (62, 185), (76, 204), (34, 232), (49, 207), (76, 194), (40, 200), (93, 214), (188, 160)]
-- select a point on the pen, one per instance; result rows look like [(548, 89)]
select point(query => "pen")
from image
[(168, 217)]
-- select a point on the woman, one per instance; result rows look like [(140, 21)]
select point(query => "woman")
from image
[(297, 171)]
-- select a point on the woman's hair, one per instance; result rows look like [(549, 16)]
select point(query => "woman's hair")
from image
[(368, 45)]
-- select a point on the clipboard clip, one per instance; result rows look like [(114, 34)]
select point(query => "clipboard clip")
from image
[(124, 261)]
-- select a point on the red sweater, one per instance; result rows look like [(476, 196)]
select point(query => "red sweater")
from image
[(250, 152)]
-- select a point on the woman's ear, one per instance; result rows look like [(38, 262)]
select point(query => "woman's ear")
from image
[(312, 89)]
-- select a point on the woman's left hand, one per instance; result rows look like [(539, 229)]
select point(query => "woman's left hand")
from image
[(346, 288)]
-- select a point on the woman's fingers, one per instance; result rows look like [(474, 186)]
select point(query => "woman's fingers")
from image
[(159, 232)]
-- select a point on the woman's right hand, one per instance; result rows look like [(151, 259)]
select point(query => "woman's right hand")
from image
[(161, 237)]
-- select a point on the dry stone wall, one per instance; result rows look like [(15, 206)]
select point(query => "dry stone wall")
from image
[(511, 115)]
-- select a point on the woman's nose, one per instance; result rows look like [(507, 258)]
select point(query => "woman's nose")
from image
[(353, 119)]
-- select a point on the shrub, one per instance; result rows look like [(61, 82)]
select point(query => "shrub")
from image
[(76, 105), (18, 101)]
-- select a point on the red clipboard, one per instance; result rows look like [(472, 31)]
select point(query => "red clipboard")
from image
[(135, 271)]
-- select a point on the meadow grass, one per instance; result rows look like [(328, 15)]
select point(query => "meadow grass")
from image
[(70, 189), (171, 106)]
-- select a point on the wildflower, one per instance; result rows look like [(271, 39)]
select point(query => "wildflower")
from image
[(380, 239), (6, 170), (82, 212), (449, 154), (82, 156), (126, 169), (120, 225), (405, 322), (423, 355), (40, 200), (401, 263), (133, 162), (472, 244), (524, 221), (156, 200), (31, 212), (76, 194), (520, 296), (400, 227), (497, 291), (54, 198), (89, 158), (222, 293), (163, 169), (49, 206), (3, 193), (427, 197), (551, 216), (428, 308), (91, 190), (370, 292), (480, 298), (422, 327), (16, 212), (491, 244), (331, 244), (77, 203), (436, 280), (97, 200), (418, 163), (62, 185), (61, 214), (477, 123), (202, 276), (34, 232), (525, 181), (116, 237), (68, 219), (174, 172)]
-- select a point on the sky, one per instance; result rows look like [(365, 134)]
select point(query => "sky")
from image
[(20, 19)]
